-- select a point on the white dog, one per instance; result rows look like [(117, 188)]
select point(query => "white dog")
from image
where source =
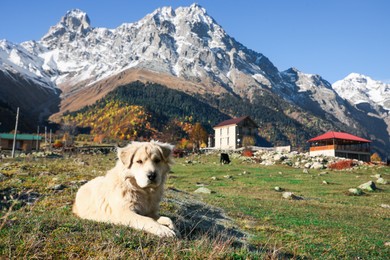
[(130, 193)]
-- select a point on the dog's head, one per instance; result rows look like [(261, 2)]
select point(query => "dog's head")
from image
[(146, 162)]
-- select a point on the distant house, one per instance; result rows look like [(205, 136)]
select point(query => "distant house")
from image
[(24, 142), (341, 144), (229, 134)]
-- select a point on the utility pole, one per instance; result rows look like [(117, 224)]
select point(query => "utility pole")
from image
[(45, 138), (50, 141), (37, 140), (16, 130)]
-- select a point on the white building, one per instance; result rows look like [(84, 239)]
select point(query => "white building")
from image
[(229, 134)]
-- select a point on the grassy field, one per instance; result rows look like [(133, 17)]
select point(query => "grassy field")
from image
[(36, 221)]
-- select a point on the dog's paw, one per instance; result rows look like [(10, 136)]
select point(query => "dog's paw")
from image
[(164, 231), (165, 221)]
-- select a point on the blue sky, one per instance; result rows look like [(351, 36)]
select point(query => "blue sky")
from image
[(331, 38)]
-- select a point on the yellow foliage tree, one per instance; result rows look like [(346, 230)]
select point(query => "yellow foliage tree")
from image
[(198, 135), (248, 140), (375, 157)]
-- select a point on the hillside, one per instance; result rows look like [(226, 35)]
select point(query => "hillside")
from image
[(36, 103), (148, 109)]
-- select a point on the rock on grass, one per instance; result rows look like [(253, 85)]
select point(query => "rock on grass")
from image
[(355, 191), (369, 186), (291, 196), (381, 181), (203, 190)]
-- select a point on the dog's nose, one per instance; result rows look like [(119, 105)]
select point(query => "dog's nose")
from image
[(152, 176)]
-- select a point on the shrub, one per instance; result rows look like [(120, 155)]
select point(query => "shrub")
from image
[(341, 165), (247, 153), (58, 144), (248, 141)]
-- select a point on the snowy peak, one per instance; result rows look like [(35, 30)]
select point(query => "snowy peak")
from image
[(358, 88), (195, 13), (314, 94), (305, 82), (75, 22)]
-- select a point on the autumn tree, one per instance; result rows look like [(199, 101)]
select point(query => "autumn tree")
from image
[(375, 157), (69, 130), (248, 140), (198, 136)]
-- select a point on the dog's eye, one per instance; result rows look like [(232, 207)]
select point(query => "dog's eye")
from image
[(139, 161), (156, 160)]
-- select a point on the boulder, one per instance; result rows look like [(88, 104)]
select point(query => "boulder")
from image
[(203, 190), (355, 191), (369, 186), (291, 196), (267, 163), (381, 181), (308, 165), (317, 166), (279, 189)]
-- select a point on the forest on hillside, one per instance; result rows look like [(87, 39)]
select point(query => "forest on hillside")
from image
[(144, 111), (149, 110)]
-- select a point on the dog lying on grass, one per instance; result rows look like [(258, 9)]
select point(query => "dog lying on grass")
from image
[(130, 193)]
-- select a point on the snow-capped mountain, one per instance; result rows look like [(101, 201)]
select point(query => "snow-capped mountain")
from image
[(16, 59), (314, 93), (185, 42), (358, 88)]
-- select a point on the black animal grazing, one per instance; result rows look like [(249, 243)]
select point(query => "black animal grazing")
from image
[(224, 158)]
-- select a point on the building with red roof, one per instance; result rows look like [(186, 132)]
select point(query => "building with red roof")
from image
[(340, 144), (229, 134)]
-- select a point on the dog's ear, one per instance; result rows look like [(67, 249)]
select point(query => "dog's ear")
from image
[(166, 150), (126, 154)]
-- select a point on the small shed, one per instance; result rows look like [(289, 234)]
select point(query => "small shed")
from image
[(341, 144), (24, 142)]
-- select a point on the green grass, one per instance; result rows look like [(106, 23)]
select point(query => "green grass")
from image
[(327, 224)]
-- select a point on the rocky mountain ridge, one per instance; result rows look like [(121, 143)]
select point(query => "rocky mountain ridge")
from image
[(358, 88)]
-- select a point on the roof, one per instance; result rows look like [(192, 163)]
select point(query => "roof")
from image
[(233, 121), (21, 137), (339, 135)]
